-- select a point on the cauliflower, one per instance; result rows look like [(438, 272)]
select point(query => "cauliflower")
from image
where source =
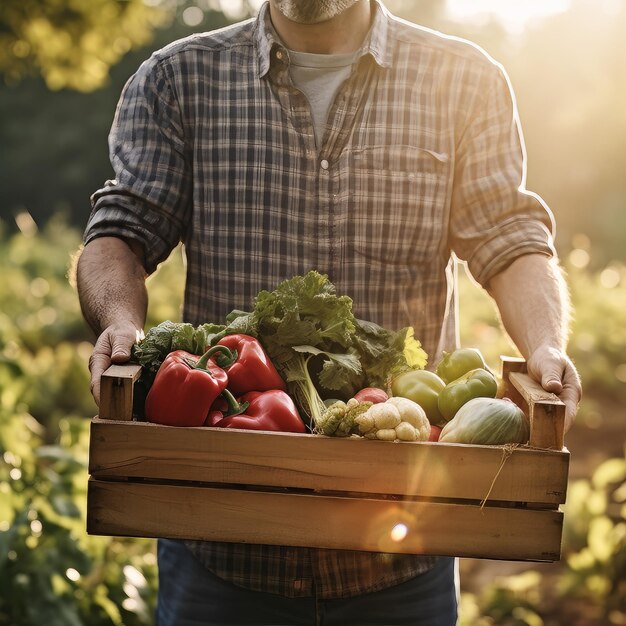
[(395, 419)]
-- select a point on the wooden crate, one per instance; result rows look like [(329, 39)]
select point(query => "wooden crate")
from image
[(492, 502)]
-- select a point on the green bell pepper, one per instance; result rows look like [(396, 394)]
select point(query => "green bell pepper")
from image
[(477, 383), (422, 387), (455, 364)]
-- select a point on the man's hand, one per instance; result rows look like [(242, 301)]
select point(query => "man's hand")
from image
[(112, 346), (111, 283), (556, 373)]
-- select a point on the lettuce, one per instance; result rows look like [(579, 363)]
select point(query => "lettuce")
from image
[(319, 347)]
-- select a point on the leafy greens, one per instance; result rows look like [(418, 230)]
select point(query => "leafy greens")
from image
[(319, 347), (311, 335)]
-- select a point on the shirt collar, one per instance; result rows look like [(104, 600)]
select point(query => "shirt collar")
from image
[(376, 43)]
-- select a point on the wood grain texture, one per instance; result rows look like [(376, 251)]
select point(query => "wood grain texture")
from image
[(144, 450), (546, 412), (116, 392), (149, 510)]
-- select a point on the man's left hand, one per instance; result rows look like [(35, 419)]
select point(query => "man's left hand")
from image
[(555, 371)]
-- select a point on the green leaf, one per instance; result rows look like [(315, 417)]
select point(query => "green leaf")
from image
[(64, 506), (385, 353), (339, 369), (184, 337), (57, 453), (306, 309), (292, 331), (305, 313), (6, 541), (611, 471)]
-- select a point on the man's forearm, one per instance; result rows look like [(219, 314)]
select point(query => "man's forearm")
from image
[(111, 284), (533, 302)]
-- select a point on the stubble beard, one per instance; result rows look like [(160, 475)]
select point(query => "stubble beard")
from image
[(312, 11)]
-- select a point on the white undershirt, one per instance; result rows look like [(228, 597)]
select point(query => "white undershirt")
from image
[(319, 77)]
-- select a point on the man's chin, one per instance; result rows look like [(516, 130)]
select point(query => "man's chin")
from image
[(312, 11)]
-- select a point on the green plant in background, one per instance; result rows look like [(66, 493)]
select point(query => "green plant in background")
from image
[(595, 540), (72, 44), (507, 602), (51, 572)]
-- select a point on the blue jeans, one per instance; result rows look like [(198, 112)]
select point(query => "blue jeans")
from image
[(190, 595)]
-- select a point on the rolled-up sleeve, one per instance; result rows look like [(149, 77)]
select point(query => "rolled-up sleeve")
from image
[(148, 201), (494, 219)]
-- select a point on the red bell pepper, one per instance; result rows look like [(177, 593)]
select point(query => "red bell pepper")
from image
[(185, 387), (253, 370), (267, 410)]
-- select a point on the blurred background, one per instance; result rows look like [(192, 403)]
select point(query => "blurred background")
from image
[(63, 64)]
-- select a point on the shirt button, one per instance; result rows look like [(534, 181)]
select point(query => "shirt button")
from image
[(324, 164), (280, 55)]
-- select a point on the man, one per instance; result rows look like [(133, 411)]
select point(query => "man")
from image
[(323, 135)]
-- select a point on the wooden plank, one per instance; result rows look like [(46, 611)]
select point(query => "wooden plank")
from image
[(116, 392), (182, 512), (140, 449), (546, 412), (512, 364)]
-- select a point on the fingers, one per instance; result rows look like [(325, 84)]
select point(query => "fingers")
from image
[(571, 394), (112, 346), (551, 381), (120, 350), (98, 363), (559, 376)]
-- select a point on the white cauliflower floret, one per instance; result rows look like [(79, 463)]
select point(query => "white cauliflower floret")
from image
[(414, 414), (396, 418), (379, 416)]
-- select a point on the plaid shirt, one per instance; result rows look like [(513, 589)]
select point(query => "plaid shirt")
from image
[(421, 161)]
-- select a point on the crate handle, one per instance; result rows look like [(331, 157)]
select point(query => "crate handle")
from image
[(544, 409), (116, 392)]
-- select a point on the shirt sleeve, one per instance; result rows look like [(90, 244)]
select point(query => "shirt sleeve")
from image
[(148, 201), (494, 219)]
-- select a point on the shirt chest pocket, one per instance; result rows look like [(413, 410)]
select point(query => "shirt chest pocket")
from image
[(398, 200)]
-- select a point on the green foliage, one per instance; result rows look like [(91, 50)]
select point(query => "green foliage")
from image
[(595, 535), (72, 44), (51, 572), (507, 602)]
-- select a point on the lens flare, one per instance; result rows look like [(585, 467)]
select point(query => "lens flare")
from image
[(399, 532)]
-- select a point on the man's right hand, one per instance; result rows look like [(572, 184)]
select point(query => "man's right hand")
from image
[(111, 281), (112, 346)]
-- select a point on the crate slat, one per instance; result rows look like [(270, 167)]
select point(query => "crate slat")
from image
[(142, 450), (181, 512)]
